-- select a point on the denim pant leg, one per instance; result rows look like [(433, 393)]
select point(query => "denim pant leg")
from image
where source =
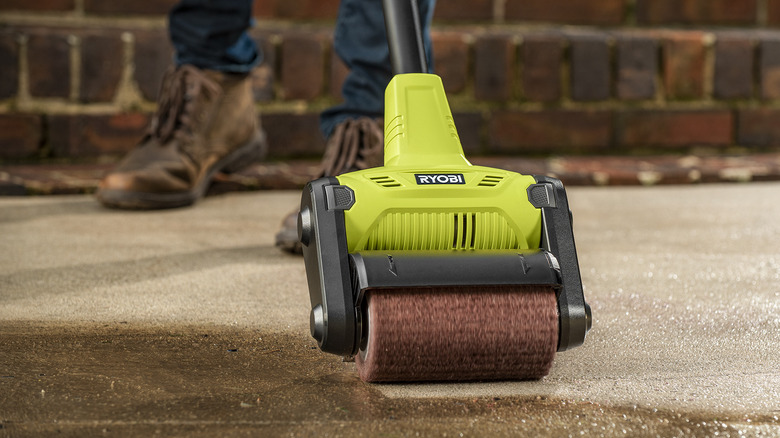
[(211, 34), (361, 42)]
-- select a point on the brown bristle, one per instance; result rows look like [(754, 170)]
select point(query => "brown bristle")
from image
[(479, 333)]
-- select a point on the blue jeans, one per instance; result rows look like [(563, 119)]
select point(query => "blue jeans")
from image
[(211, 34)]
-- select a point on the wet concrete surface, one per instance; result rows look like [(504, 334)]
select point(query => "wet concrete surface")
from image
[(118, 379), (189, 323)]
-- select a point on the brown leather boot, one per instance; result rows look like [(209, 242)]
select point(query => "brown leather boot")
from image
[(205, 123), (355, 145)]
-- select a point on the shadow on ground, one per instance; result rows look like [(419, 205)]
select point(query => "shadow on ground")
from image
[(144, 269)]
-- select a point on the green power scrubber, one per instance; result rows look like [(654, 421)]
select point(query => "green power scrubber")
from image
[(431, 268)]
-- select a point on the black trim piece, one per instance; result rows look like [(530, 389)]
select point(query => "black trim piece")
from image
[(558, 238)]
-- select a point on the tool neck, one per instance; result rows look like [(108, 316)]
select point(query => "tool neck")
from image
[(419, 129)]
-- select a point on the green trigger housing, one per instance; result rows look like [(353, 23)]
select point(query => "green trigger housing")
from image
[(430, 218)]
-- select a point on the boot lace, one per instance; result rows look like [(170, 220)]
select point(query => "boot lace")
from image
[(179, 108), (355, 144)]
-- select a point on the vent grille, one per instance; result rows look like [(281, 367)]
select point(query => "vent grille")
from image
[(451, 125), (385, 181), (442, 231), (490, 181)]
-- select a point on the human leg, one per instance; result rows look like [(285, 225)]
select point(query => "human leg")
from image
[(212, 35)]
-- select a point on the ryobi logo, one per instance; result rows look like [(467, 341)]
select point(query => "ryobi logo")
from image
[(439, 178)]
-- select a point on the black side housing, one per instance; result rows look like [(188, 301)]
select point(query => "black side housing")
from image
[(323, 236), (558, 238)]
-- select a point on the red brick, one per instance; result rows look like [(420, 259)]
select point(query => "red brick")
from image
[(676, 128), (101, 66), (124, 7), (338, 74), (49, 60), (733, 67), (542, 59), (297, 9), (9, 60), (594, 12), (590, 68), (551, 131), (293, 135), (264, 75), (758, 127), (494, 67), (153, 56), (20, 135), (464, 10), (302, 62), (450, 61), (684, 57), (637, 64), (85, 135), (262, 83), (699, 12), (37, 5), (769, 68)]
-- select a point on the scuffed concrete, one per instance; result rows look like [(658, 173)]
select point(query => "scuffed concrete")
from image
[(684, 282)]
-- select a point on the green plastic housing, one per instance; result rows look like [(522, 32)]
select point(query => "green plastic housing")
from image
[(464, 207)]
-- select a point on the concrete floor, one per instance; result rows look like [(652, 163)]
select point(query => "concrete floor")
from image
[(190, 323)]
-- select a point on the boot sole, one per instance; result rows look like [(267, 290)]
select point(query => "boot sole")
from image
[(254, 150), (288, 242)]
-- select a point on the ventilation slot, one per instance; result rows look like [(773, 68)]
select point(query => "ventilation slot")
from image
[(385, 181), (453, 129), (490, 181), (465, 232)]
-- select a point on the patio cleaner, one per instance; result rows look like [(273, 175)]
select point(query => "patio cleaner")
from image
[(430, 268)]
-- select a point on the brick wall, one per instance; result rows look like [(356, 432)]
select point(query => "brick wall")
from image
[(78, 78)]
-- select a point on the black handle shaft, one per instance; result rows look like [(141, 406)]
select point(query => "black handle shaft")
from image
[(404, 36)]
